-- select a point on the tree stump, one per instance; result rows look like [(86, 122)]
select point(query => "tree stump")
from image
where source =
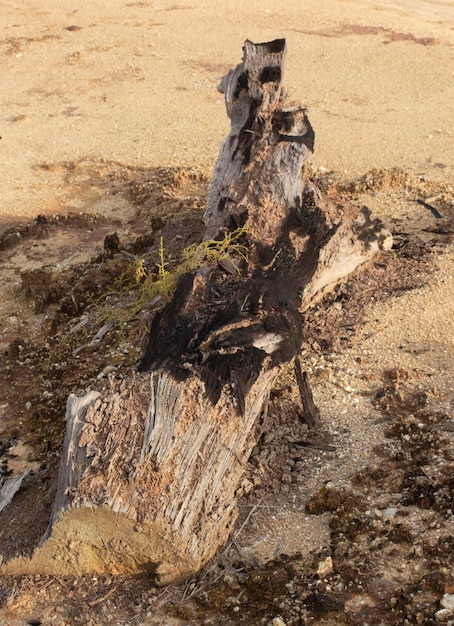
[(151, 470)]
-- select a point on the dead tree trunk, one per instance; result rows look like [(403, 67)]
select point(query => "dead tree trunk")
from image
[(152, 470)]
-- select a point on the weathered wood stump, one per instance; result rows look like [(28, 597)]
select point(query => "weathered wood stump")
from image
[(151, 471)]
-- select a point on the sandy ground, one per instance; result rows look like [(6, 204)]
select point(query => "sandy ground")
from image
[(111, 87), (135, 83)]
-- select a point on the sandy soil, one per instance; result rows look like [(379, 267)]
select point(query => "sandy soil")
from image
[(135, 83), (102, 106)]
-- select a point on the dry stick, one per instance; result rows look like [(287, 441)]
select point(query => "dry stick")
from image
[(60, 581), (435, 212), (99, 600), (250, 514), (48, 583), (231, 542), (311, 414), (161, 600)]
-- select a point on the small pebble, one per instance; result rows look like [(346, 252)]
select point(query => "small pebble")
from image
[(325, 567), (447, 601), (442, 615), (389, 513), (20, 118)]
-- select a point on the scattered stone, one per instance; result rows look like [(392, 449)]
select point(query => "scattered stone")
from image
[(389, 513), (325, 567), (443, 615), (447, 601)]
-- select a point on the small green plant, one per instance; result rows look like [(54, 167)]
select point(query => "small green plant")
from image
[(163, 282), (136, 286)]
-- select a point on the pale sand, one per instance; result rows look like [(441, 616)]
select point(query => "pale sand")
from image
[(135, 82)]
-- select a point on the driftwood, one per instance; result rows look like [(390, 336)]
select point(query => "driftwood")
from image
[(151, 470)]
